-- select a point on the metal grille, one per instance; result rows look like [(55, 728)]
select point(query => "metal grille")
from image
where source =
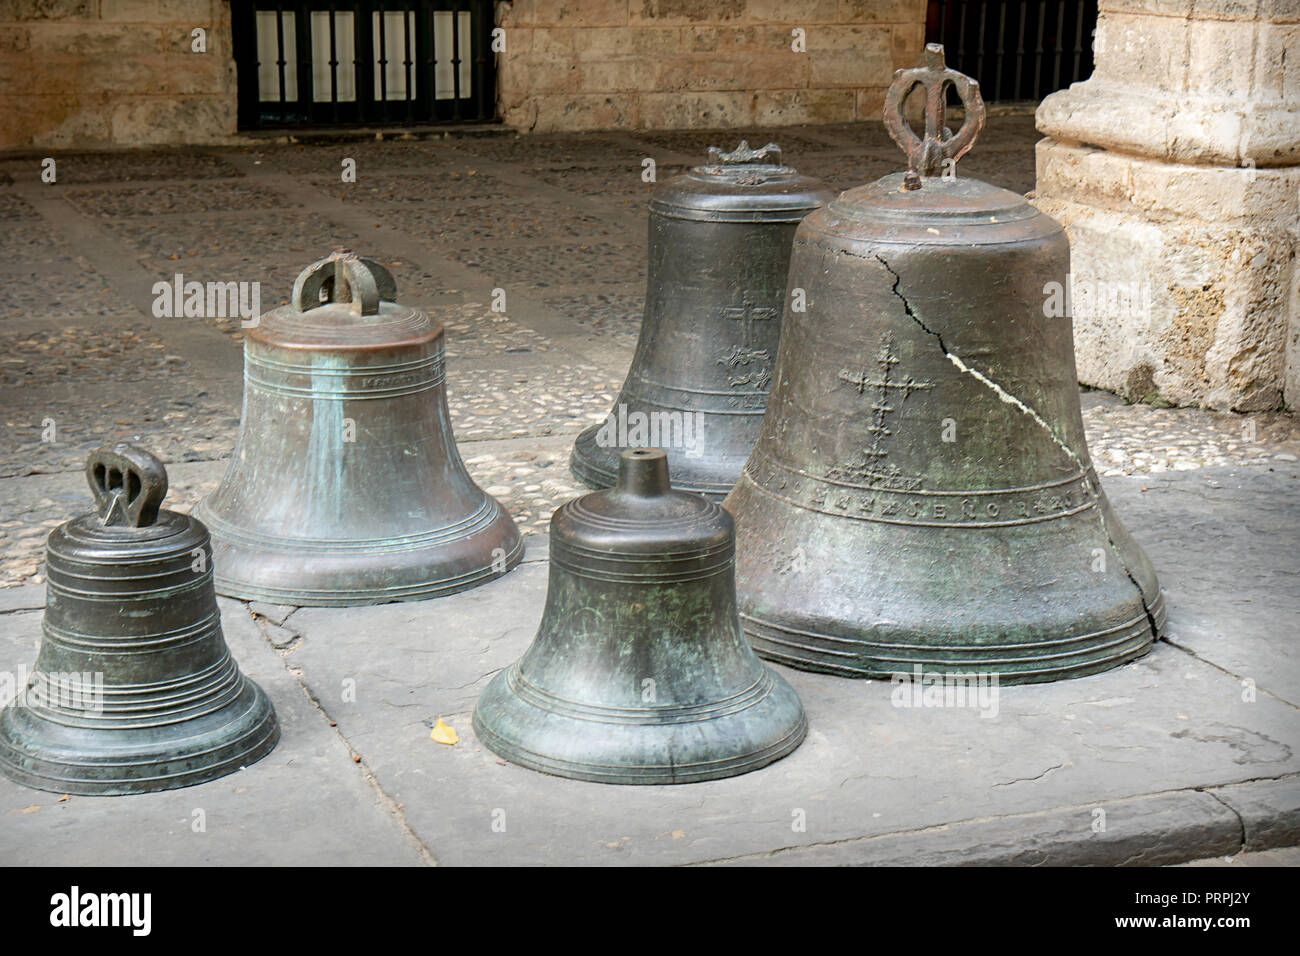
[(1017, 49), (395, 62)]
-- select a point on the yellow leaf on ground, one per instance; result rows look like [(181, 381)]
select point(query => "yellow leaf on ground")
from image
[(444, 734)]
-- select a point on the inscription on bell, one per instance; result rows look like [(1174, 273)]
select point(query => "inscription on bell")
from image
[(883, 386), (748, 367)]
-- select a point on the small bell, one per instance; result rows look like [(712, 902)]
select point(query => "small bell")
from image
[(345, 486), (640, 672), (134, 688)]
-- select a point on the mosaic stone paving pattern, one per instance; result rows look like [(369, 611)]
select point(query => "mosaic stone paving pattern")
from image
[(473, 330), (528, 401), (557, 222), (556, 265), (135, 165), (168, 198)]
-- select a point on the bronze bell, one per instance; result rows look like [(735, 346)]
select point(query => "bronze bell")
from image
[(921, 493), (345, 486), (640, 672), (134, 689), (719, 250)]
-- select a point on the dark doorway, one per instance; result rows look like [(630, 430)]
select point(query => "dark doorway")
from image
[(390, 62), (1017, 49)]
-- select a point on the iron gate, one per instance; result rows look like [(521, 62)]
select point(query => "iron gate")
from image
[(1017, 49), (395, 62)]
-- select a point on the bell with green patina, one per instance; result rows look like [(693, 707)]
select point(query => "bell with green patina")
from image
[(345, 486), (134, 688), (921, 495), (640, 672)]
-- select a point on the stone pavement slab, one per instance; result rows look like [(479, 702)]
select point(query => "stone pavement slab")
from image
[(306, 803), (1226, 540)]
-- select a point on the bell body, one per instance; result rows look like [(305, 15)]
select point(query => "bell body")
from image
[(719, 251), (345, 486), (921, 493), (640, 672), (134, 688)]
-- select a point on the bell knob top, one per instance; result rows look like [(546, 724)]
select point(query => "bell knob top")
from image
[(643, 472), (128, 483), (926, 154), (344, 277), (742, 155), (742, 185), (642, 515), (129, 535), (344, 302), (930, 204)]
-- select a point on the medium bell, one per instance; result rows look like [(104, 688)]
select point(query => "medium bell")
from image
[(345, 486), (719, 251), (134, 689), (921, 494), (640, 672)]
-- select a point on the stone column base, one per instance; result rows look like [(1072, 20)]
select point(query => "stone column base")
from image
[(1185, 285)]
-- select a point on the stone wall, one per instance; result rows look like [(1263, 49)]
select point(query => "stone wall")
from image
[(114, 72), (89, 73), (1176, 168), (670, 64)]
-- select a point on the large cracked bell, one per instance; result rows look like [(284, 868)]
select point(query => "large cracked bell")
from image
[(345, 486), (640, 672), (921, 494), (134, 688), (720, 238)]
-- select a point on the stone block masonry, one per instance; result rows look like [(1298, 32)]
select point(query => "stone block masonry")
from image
[(682, 64), (1176, 166), (90, 73), (78, 73)]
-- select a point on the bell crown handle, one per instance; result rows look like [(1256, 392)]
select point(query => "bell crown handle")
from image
[(926, 154), (343, 276), (643, 473), (128, 483), (769, 154)]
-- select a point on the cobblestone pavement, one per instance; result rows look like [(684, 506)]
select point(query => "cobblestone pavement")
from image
[(556, 222)]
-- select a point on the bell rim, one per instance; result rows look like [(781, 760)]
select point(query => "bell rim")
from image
[(327, 595), (259, 740), (648, 774)]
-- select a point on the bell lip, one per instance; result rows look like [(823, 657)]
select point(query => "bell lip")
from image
[(258, 740), (786, 737), (321, 591), (814, 664)]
